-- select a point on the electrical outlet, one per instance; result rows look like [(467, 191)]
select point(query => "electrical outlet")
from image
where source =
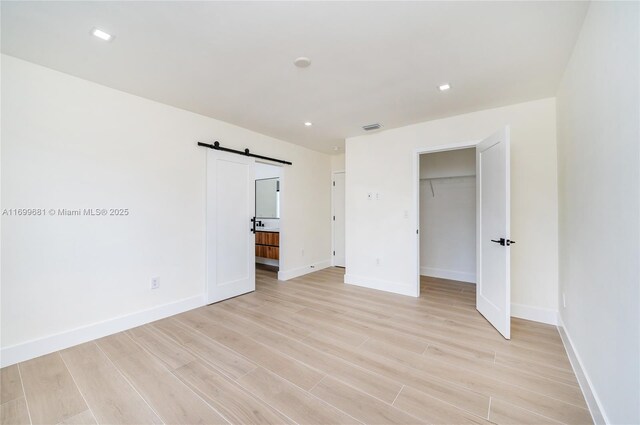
[(155, 282), (302, 252), (377, 261), (564, 301)]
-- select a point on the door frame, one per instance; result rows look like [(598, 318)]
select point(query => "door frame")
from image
[(281, 222), (416, 195), (333, 223)]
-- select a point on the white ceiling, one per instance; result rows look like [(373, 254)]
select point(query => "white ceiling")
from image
[(371, 61)]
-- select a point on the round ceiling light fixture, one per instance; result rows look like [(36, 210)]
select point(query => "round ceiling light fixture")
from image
[(302, 62)]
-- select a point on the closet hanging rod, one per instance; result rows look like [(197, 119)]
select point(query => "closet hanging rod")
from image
[(446, 178), (216, 146)]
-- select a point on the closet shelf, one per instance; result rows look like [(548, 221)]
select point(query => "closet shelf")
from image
[(431, 179)]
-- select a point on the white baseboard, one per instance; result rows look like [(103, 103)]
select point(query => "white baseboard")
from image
[(382, 285), (536, 314), (49, 344), (448, 274), (591, 397), (301, 271)]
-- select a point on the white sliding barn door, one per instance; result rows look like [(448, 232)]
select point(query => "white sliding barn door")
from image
[(493, 290), (230, 241)]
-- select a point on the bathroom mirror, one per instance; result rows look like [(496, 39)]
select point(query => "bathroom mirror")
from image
[(268, 198)]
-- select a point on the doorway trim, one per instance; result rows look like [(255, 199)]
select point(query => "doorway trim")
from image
[(281, 222), (333, 223), (416, 193)]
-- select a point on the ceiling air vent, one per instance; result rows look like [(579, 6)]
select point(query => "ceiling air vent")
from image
[(371, 127)]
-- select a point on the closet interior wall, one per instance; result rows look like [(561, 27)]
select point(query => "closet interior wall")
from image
[(448, 215)]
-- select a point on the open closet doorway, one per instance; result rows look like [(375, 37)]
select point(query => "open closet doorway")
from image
[(448, 217), (268, 189), (463, 225)]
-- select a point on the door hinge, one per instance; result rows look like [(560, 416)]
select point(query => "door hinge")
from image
[(334, 183), (334, 218), (417, 231), (334, 253)]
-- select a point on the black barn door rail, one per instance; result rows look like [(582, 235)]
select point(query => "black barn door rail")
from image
[(216, 146)]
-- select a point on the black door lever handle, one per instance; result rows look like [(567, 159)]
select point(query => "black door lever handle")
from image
[(503, 241)]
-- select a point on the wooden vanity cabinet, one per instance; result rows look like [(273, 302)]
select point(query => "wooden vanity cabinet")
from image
[(268, 245)]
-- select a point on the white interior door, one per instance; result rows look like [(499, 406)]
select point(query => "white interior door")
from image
[(338, 219), (230, 241), (493, 290)]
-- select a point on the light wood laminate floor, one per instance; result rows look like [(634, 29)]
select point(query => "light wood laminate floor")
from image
[(308, 351)]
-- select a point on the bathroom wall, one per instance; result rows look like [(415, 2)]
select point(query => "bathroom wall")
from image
[(268, 171)]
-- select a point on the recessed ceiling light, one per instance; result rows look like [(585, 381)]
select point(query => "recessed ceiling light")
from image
[(101, 34), (444, 87), (302, 62), (308, 124)]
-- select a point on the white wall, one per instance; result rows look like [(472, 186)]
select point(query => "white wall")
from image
[(385, 229), (267, 171), (337, 162), (70, 143), (598, 167), (448, 215)]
